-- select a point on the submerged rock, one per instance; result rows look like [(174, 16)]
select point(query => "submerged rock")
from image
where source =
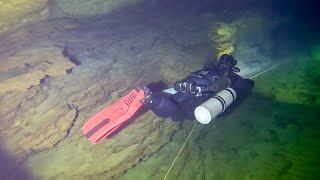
[(32, 68), (33, 120), (15, 14), (224, 38), (248, 36), (42, 118), (79, 8)]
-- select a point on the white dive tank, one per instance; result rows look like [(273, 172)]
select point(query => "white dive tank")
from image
[(214, 106)]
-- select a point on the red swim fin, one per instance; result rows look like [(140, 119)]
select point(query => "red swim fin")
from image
[(115, 116)]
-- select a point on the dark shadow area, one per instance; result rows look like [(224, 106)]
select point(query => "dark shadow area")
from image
[(10, 168)]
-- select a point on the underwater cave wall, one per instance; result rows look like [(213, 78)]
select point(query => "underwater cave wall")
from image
[(15, 14)]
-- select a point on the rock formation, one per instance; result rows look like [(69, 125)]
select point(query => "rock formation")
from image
[(79, 8), (57, 73), (223, 37), (45, 97), (31, 68), (24, 109), (44, 104), (15, 14), (248, 37)]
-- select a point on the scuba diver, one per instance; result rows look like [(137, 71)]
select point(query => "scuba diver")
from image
[(202, 95)]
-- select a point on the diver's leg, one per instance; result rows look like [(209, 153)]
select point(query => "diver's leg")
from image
[(242, 86), (163, 105), (157, 86)]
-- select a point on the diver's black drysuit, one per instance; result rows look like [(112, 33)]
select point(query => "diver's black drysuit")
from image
[(197, 88)]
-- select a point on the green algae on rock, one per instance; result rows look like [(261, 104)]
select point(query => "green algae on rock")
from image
[(224, 38), (248, 37), (300, 84)]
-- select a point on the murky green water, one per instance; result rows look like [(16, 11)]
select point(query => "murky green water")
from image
[(274, 134)]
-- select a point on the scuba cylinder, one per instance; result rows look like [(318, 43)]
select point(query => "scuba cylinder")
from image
[(215, 105)]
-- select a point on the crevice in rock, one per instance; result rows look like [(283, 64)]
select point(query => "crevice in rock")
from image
[(202, 155), (69, 70), (155, 42), (72, 58), (48, 62), (73, 120), (44, 79), (68, 131), (27, 65)]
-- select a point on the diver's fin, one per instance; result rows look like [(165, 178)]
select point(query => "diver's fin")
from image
[(112, 118)]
